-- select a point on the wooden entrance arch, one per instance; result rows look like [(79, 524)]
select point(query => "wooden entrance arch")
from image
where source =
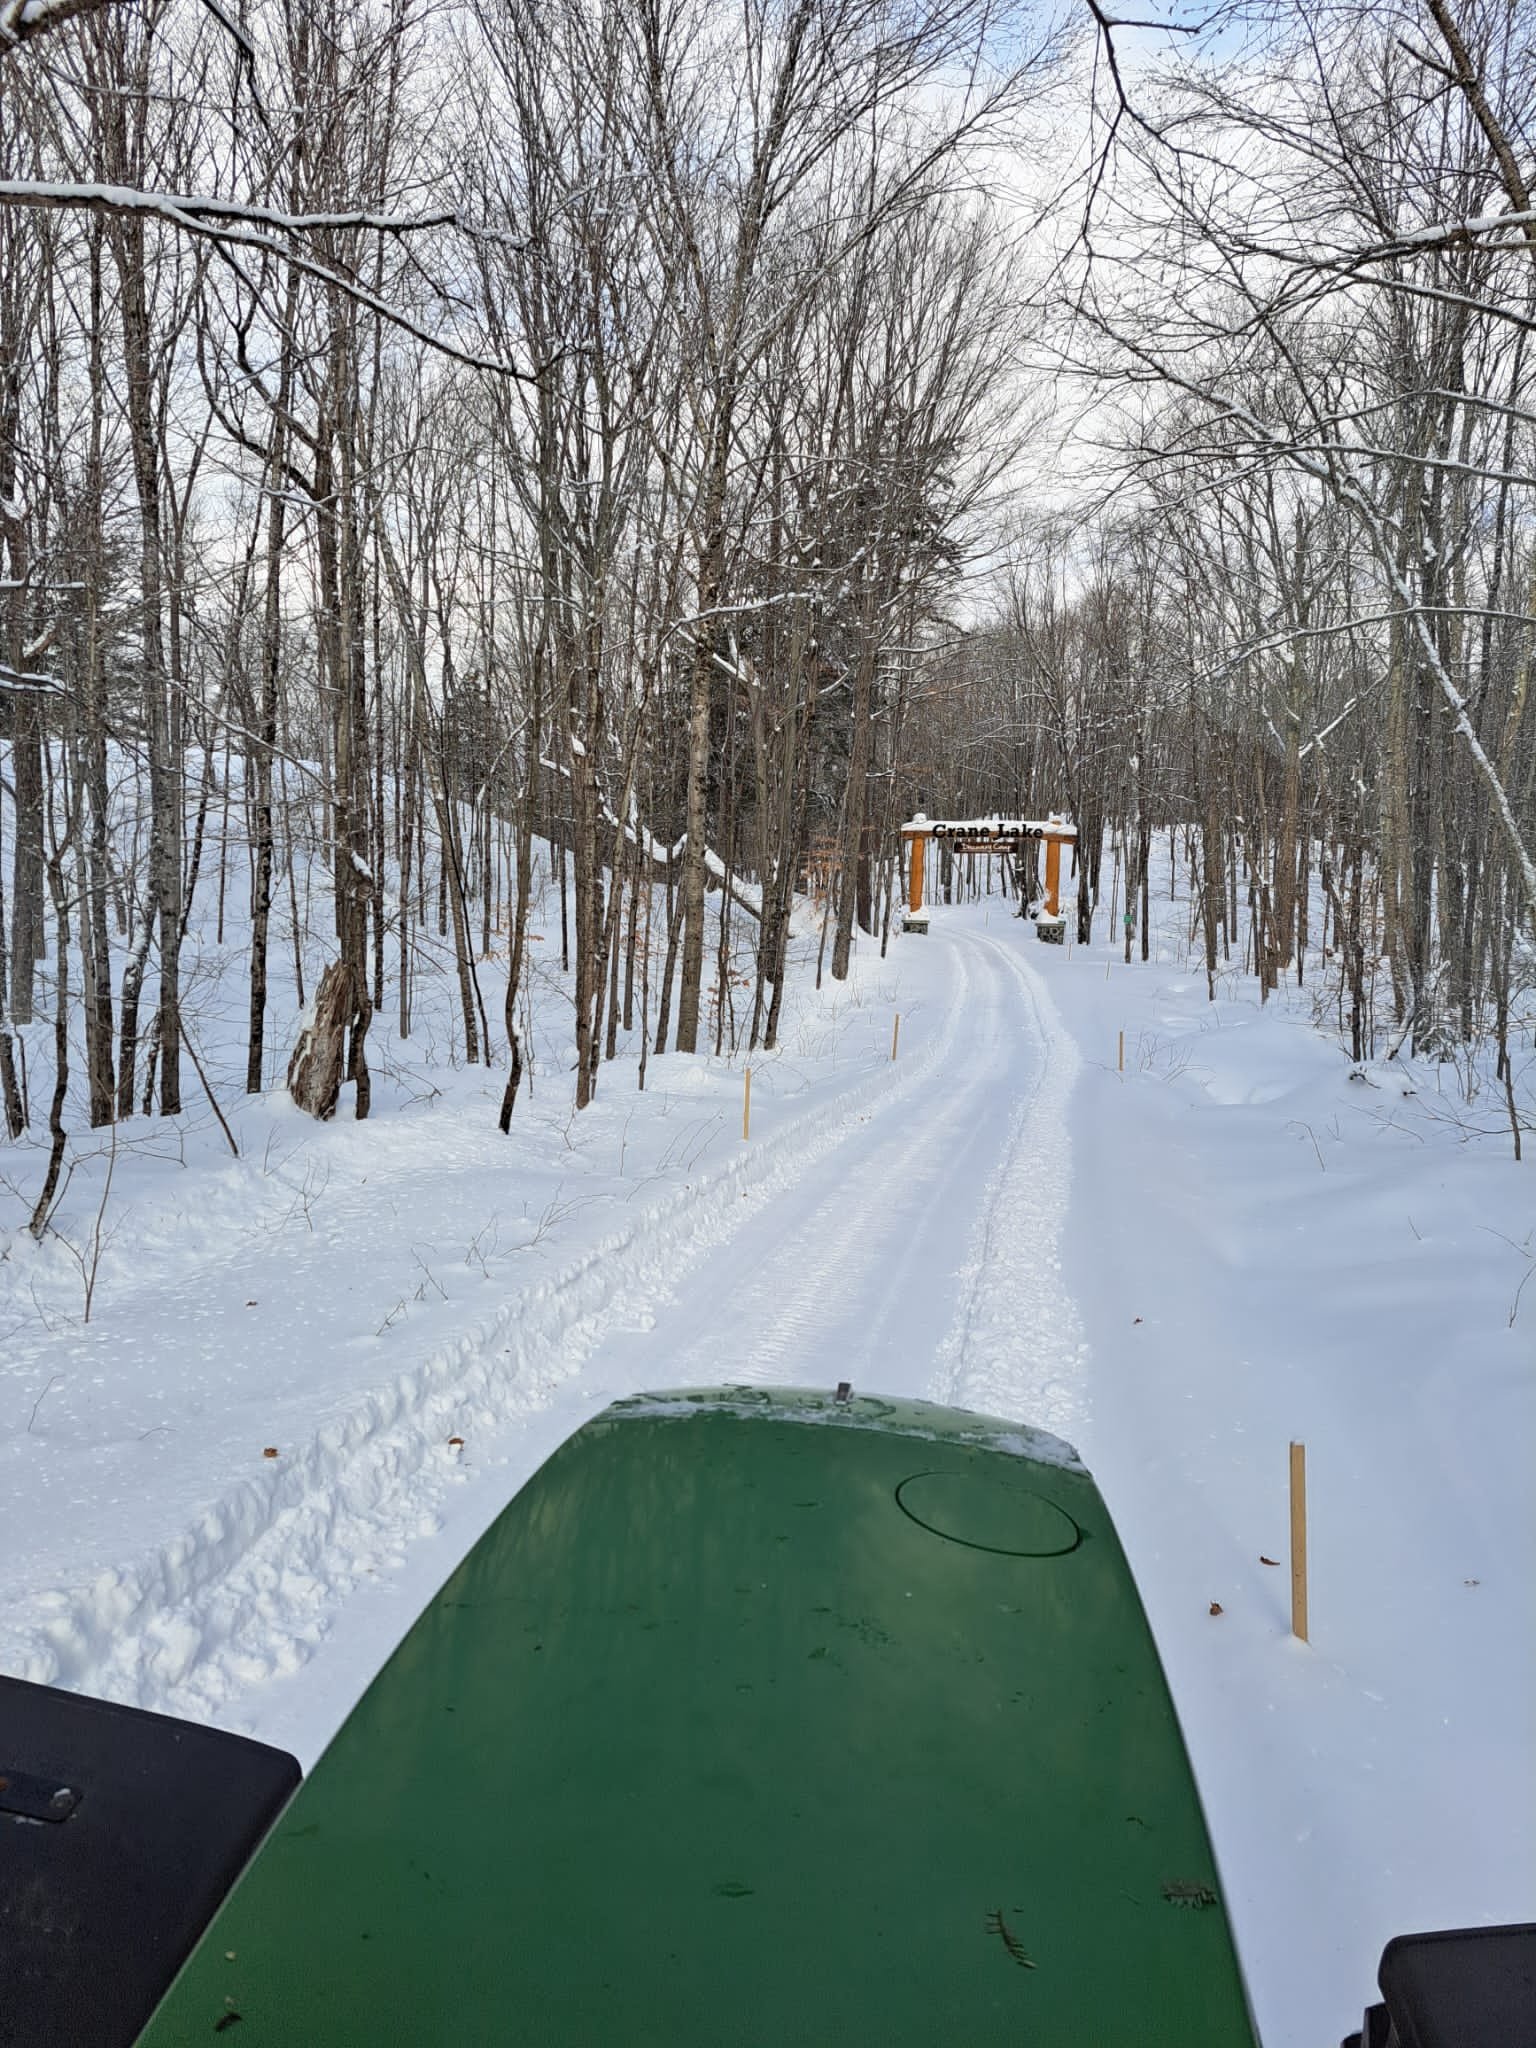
[(989, 835)]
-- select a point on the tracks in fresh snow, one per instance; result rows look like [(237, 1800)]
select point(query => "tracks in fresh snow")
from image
[(923, 1261), (902, 1237), (1016, 1347)]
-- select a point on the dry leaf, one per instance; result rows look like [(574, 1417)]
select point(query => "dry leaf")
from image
[(270, 1451), (455, 1443), (1268, 1560), (1135, 1319), (1215, 1607)]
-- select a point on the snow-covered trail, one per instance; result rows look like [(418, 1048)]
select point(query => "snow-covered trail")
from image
[(869, 1272), (896, 1228), (1261, 1242), (874, 1253)]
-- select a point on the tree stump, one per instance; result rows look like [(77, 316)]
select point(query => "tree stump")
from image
[(319, 1058)]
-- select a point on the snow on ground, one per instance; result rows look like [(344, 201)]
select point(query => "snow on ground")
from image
[(1268, 1249), (1178, 1268), (352, 1298)]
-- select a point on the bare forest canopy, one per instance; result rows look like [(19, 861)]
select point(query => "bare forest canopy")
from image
[(425, 431)]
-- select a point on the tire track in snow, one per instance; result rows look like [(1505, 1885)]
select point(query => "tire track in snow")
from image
[(840, 1290), (1016, 1348), (246, 1593)]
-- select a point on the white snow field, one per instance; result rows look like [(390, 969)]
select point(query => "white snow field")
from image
[(1179, 1268)]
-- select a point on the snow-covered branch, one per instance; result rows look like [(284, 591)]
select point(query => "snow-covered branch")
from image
[(233, 224)]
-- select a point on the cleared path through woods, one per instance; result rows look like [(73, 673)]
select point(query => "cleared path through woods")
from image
[(901, 1233), (921, 1259)]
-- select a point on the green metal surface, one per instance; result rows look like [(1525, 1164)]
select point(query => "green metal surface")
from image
[(714, 1740)]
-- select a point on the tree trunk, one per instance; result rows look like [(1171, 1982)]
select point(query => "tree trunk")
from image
[(319, 1059)]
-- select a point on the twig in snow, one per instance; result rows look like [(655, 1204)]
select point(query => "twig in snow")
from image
[(1297, 1124), (1525, 1253), (429, 1278), (42, 1397), (186, 1039), (90, 1266), (476, 1256)]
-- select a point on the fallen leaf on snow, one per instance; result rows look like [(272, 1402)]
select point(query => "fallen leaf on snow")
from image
[(1216, 1607), (270, 1451), (1268, 1560)]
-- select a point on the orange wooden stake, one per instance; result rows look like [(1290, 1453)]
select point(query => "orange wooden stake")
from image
[(1299, 1542), (746, 1104), (895, 1034), (1122, 1052)]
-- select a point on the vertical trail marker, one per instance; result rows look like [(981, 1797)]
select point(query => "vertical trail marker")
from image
[(895, 1034), (1299, 1542), (746, 1104), (1122, 1052)]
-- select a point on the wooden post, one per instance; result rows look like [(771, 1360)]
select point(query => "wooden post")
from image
[(915, 880), (746, 1104), (895, 1034), (1299, 1542), (1122, 1052), (1052, 877)]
